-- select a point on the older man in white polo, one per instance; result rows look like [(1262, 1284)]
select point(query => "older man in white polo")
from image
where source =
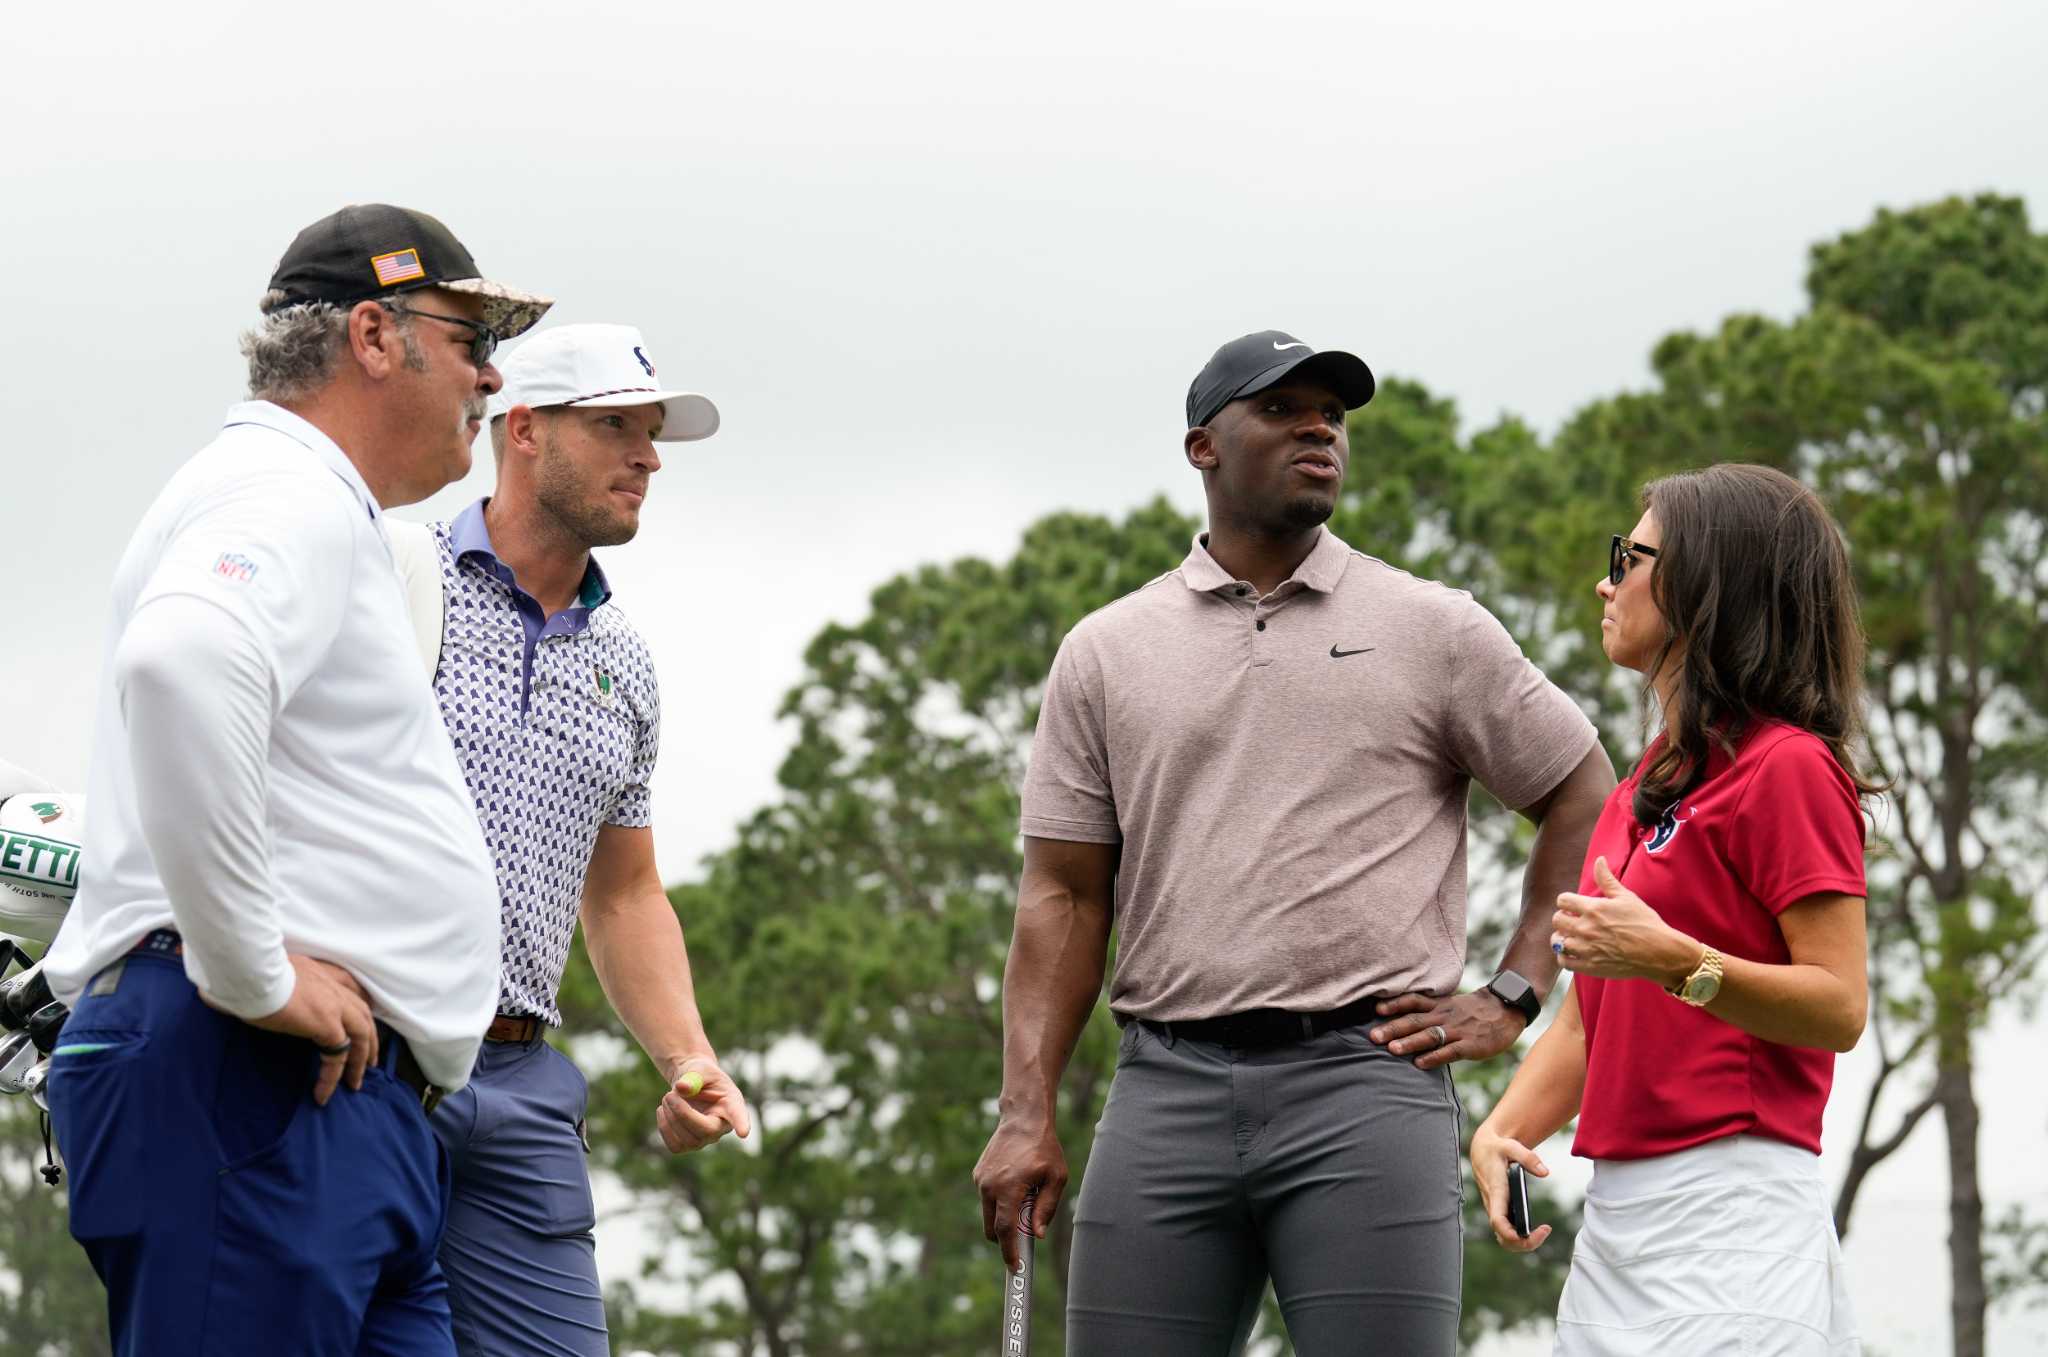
[(550, 697), (283, 950)]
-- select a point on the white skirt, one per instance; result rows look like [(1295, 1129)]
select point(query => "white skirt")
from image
[(1725, 1248)]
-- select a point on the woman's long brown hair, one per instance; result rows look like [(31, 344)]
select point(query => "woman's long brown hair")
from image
[(1752, 577)]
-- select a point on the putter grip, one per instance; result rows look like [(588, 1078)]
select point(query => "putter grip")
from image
[(1017, 1288)]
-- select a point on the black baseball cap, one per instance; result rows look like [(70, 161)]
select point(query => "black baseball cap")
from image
[(372, 249), (1251, 363)]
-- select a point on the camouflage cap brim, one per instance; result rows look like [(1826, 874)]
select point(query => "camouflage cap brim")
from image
[(506, 311)]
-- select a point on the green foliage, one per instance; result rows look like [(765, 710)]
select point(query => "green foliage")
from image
[(55, 1308), (850, 949), (2019, 1270), (850, 944), (1911, 396)]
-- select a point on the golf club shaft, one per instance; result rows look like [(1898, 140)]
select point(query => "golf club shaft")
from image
[(1017, 1287)]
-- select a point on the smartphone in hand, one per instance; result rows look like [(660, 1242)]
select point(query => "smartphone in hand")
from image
[(1518, 1200)]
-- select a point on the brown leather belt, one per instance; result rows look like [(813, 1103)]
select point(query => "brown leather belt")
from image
[(507, 1027)]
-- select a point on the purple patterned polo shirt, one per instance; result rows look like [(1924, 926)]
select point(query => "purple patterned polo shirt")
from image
[(556, 721)]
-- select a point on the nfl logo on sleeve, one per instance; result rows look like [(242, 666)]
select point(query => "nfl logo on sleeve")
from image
[(234, 567)]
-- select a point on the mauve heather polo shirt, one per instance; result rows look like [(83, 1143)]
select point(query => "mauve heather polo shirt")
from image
[(1288, 776)]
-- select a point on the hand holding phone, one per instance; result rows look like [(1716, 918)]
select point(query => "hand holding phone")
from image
[(1502, 1166), (1518, 1199)]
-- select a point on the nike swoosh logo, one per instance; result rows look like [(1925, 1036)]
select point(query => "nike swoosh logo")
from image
[(1337, 654), (1297, 344)]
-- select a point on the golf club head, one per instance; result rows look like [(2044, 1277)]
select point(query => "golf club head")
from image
[(18, 1055), (22, 995), (46, 1024), (32, 1083)]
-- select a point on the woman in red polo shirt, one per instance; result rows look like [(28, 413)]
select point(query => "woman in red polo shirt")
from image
[(1716, 939)]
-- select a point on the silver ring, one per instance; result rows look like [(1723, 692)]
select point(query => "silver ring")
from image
[(1443, 1038)]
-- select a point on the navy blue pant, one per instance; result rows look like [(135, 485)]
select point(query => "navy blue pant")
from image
[(226, 1213), (519, 1254)]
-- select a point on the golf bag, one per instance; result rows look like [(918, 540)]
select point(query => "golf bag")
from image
[(41, 836)]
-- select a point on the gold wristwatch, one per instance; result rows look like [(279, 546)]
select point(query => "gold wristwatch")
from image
[(1699, 988)]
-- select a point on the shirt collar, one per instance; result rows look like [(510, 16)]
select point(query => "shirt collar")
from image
[(469, 536), (1319, 570), (277, 419)]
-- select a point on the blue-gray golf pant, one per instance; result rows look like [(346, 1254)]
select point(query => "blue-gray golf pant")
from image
[(1327, 1164), (518, 1252)]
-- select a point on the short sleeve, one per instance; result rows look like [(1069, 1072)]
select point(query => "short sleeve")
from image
[(1797, 829), (634, 806), (274, 552), (1067, 791), (1509, 726)]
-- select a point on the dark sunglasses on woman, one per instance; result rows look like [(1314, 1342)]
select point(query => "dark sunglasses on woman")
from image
[(1621, 553)]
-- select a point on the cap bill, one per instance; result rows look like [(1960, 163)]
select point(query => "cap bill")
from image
[(506, 311), (1346, 374), (685, 415)]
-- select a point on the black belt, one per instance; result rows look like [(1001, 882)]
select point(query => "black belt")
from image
[(1265, 1026), (394, 1052), (160, 942)]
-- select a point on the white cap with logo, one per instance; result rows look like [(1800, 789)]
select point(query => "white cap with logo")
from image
[(599, 365)]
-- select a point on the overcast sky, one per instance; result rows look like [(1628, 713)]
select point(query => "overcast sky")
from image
[(945, 269)]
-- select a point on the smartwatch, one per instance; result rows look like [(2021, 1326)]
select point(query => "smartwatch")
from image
[(1517, 993)]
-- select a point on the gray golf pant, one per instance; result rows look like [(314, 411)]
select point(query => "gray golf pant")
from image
[(519, 1252), (1327, 1164)]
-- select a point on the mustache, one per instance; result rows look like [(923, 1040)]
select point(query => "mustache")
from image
[(476, 408)]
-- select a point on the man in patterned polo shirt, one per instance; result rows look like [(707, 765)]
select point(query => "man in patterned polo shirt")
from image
[(550, 697)]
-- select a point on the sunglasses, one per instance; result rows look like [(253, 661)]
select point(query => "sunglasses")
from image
[(483, 340), (1621, 553)]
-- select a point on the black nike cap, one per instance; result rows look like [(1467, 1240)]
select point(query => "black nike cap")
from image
[(373, 249), (1252, 363)]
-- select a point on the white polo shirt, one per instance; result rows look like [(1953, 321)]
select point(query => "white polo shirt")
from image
[(269, 774)]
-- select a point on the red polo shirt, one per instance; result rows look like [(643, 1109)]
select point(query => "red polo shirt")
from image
[(1776, 824)]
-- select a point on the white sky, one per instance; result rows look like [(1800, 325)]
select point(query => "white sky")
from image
[(945, 270)]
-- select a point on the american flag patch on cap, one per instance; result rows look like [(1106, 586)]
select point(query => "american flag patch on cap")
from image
[(398, 267)]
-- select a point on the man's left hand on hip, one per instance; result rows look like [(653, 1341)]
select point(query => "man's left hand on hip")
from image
[(1475, 1026)]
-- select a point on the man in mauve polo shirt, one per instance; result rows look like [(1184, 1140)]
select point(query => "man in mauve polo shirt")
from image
[(550, 696), (1257, 766)]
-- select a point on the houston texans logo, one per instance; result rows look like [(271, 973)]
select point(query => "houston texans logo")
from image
[(1667, 830), (643, 360)]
